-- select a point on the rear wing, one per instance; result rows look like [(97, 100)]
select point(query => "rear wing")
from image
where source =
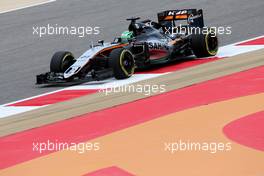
[(194, 17)]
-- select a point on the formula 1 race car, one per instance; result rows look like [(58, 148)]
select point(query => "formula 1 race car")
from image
[(145, 43)]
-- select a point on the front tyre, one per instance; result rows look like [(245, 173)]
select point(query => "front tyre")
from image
[(204, 45), (122, 62), (61, 61)]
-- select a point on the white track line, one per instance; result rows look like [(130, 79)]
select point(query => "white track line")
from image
[(247, 40), (27, 6), (111, 82), (9, 111)]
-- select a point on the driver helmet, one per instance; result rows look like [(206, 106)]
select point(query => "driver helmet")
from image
[(127, 36)]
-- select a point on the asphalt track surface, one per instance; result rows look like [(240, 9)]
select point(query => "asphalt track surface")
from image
[(23, 55)]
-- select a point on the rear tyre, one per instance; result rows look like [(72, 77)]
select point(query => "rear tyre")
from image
[(204, 45), (61, 61), (122, 62)]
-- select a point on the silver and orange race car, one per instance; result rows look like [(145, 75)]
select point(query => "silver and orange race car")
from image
[(176, 34)]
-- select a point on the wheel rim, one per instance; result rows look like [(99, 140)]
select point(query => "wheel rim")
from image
[(127, 62), (66, 62), (211, 44)]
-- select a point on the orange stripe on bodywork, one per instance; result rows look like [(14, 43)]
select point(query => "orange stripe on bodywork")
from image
[(114, 47)]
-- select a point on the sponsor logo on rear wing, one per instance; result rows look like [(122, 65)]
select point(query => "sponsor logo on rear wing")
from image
[(193, 16)]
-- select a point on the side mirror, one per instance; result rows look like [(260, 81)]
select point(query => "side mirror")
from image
[(101, 42)]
